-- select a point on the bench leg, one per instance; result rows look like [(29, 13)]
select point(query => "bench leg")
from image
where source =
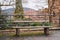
[(17, 32), (46, 31)]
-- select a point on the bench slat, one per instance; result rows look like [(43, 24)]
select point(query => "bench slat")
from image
[(28, 27)]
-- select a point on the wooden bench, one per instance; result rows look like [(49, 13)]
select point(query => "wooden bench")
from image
[(46, 29)]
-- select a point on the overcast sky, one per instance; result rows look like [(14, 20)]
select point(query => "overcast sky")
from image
[(33, 4)]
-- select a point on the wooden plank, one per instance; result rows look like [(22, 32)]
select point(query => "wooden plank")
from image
[(32, 21), (31, 27)]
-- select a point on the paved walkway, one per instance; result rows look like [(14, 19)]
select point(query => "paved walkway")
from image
[(55, 35)]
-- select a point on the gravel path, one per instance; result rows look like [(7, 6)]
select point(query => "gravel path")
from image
[(55, 35)]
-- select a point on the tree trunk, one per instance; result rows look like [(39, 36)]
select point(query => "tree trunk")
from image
[(59, 18), (51, 4), (19, 9)]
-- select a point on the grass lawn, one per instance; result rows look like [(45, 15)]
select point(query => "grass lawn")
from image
[(0, 34), (27, 33), (30, 33), (41, 33)]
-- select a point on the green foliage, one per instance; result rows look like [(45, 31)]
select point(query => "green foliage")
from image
[(2, 21), (40, 24), (47, 24), (35, 24), (27, 19)]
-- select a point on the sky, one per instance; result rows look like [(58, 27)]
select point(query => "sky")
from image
[(33, 4), (36, 4)]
